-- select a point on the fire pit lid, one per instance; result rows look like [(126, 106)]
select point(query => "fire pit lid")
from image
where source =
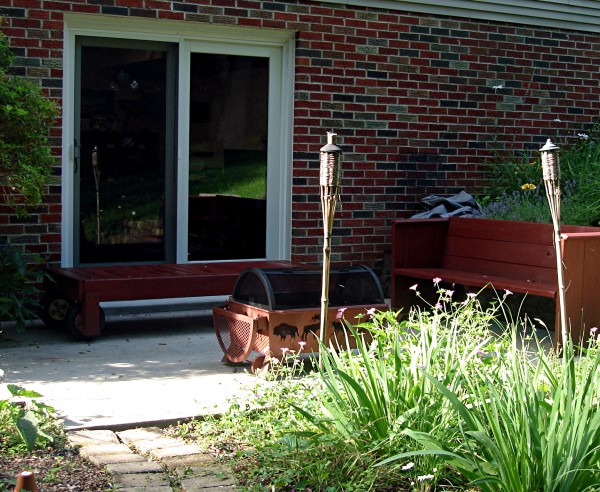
[(300, 288)]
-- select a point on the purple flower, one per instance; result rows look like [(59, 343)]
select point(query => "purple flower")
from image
[(508, 292), (413, 287), (371, 311), (593, 330), (437, 280), (340, 313)]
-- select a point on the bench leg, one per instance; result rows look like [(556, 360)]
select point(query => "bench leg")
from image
[(91, 315), (85, 319)]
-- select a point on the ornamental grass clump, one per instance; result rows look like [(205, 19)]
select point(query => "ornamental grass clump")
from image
[(532, 426)]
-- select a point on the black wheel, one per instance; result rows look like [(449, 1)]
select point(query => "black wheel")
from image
[(54, 308), (74, 323)]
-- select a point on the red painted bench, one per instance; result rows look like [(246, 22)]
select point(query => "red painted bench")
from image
[(72, 295), (508, 255)]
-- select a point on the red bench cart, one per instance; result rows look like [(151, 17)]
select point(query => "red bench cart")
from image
[(73, 295)]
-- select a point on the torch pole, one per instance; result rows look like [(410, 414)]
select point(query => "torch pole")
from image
[(551, 173), (96, 170), (330, 159)]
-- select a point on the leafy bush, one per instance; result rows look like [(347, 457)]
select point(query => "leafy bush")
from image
[(18, 286), (25, 121), (516, 190), (26, 422)]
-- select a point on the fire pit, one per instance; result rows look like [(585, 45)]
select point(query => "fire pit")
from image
[(277, 309)]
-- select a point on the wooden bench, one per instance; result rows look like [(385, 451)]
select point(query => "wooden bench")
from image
[(506, 255), (73, 295)]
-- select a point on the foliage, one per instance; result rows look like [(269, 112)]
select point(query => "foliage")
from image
[(444, 397), (327, 430), (26, 117), (18, 289), (25, 422), (536, 428), (516, 190)]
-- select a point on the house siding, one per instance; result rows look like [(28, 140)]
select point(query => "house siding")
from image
[(417, 99)]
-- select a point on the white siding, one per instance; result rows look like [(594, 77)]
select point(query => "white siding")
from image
[(582, 15)]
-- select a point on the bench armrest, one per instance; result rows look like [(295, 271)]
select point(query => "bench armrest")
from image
[(581, 260)]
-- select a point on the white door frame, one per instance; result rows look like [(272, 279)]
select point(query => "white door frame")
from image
[(278, 45)]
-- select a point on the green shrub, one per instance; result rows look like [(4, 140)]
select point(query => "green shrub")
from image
[(19, 278), (445, 399), (25, 121), (516, 190)]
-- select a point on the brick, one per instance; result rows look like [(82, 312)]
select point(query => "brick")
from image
[(141, 434), (135, 467), (104, 448), (87, 437), (141, 480)]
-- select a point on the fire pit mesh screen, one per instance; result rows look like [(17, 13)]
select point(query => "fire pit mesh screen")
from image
[(301, 288), (236, 335)]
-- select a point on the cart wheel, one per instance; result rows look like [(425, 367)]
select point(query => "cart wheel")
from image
[(74, 323), (54, 308), (260, 365)]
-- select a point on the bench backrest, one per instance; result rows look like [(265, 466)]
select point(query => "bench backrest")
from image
[(503, 248)]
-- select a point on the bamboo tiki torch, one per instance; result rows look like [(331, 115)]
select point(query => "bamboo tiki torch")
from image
[(331, 167), (96, 169), (551, 173)]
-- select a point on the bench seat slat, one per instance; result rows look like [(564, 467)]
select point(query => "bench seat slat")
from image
[(478, 280)]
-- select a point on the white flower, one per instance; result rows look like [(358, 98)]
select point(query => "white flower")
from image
[(408, 466), (583, 136), (422, 478)]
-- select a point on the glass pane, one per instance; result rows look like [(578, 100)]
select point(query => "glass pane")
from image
[(122, 155), (227, 157)]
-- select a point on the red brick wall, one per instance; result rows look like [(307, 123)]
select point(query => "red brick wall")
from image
[(411, 96)]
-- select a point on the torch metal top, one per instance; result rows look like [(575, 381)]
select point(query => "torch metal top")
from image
[(549, 146), (331, 143)]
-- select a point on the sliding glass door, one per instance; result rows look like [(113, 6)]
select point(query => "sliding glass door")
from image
[(179, 151)]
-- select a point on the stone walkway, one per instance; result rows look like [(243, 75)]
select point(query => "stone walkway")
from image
[(146, 460)]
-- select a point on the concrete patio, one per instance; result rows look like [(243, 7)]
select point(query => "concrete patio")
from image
[(147, 368)]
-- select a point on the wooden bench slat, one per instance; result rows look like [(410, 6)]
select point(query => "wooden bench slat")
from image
[(477, 280), (498, 230), (492, 251)]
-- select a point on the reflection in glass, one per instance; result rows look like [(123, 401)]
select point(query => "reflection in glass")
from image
[(227, 157), (122, 155)]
